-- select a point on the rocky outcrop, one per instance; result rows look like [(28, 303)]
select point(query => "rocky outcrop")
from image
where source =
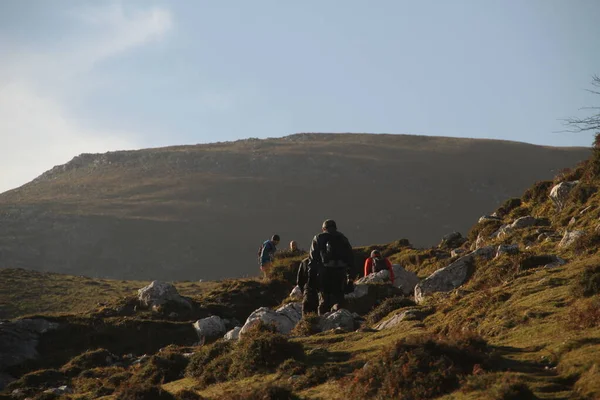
[(412, 314), (159, 293), (342, 318), (19, 340), (457, 252), (296, 293), (233, 334), (560, 193), (210, 328), (284, 318), (445, 279), (569, 238), (403, 279), (452, 240)]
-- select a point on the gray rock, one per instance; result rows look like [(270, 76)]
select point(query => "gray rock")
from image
[(233, 334), (210, 328), (445, 279), (560, 193), (502, 232), (412, 314), (524, 222), (159, 293), (479, 242), (486, 252), (452, 240), (284, 319), (296, 293), (486, 218), (360, 290), (569, 238), (507, 249), (376, 277), (19, 340), (338, 319), (559, 262), (405, 280)]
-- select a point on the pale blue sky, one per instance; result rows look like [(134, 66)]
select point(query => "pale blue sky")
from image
[(93, 76)]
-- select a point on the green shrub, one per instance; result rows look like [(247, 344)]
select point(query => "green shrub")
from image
[(42, 379), (587, 243), (388, 305), (508, 206), (539, 192), (584, 314), (205, 355), (486, 228), (308, 325), (511, 388)]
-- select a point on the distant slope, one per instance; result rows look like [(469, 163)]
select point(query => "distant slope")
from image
[(199, 212)]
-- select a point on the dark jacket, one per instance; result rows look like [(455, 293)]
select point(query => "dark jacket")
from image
[(302, 277), (344, 255), (267, 254)]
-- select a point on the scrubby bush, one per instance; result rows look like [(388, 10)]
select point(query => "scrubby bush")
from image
[(581, 193), (510, 388), (585, 314), (485, 228), (539, 192), (162, 369), (388, 305), (205, 355), (88, 360), (587, 243), (417, 368), (308, 325), (588, 282)]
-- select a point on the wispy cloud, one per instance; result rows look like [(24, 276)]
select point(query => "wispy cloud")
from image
[(37, 128)]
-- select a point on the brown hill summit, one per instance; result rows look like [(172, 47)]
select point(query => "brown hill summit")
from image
[(200, 212)]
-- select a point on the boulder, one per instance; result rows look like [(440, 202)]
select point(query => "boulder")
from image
[(376, 277), (159, 293), (501, 232), (507, 249), (412, 314), (210, 328), (19, 340), (342, 318), (360, 290), (404, 280), (296, 293), (569, 238), (524, 222), (486, 252), (560, 193), (452, 240), (486, 218), (479, 242), (284, 318), (233, 334), (445, 279)]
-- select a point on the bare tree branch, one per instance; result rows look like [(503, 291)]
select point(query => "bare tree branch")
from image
[(587, 123)]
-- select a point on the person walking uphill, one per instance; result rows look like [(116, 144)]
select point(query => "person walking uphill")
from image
[(330, 265), (377, 263), (267, 254)]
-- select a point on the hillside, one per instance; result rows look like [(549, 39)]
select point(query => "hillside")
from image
[(200, 212), (523, 323)]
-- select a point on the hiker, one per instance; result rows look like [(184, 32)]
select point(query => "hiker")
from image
[(302, 276), (267, 254), (293, 246), (330, 269), (377, 263)]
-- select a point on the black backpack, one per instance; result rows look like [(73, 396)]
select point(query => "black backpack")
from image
[(333, 253), (379, 264)]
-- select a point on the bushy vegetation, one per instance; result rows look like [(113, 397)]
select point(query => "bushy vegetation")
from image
[(144, 392), (162, 368), (388, 305), (269, 392), (417, 368), (88, 360), (587, 283)]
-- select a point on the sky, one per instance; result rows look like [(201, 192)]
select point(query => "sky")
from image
[(96, 76)]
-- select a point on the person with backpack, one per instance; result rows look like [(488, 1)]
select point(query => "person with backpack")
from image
[(330, 269), (377, 263), (266, 254)]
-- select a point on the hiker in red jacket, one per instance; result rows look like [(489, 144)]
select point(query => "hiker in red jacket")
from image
[(377, 263)]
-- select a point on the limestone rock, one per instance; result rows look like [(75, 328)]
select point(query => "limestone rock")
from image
[(284, 318), (524, 222), (360, 290), (486, 218), (296, 293), (486, 252), (376, 277), (159, 293), (445, 279), (210, 328), (569, 238), (412, 314), (337, 319), (233, 334), (560, 193), (559, 262), (405, 280)]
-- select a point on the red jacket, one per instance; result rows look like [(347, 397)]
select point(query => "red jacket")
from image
[(369, 268)]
